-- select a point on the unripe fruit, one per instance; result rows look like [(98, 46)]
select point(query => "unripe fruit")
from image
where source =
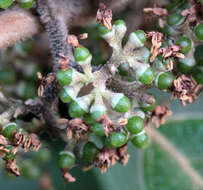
[(118, 139), (89, 151), (120, 27), (164, 80), (82, 55), (98, 129), (65, 77), (66, 160), (103, 30), (97, 111), (135, 124), (107, 142), (66, 94), (43, 155), (120, 103), (145, 74), (175, 19), (9, 130), (26, 4), (199, 31), (149, 107), (124, 68), (6, 3), (140, 140), (185, 43), (80, 106), (30, 170), (198, 75), (138, 38), (186, 65)]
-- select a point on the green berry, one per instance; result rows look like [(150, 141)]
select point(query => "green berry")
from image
[(6, 3), (118, 139), (198, 75), (175, 19), (147, 107), (64, 95), (107, 142), (120, 27), (140, 140), (124, 68), (75, 110), (9, 130), (30, 170), (186, 65), (135, 124), (97, 111), (7, 76), (145, 74), (66, 160), (98, 129), (43, 155), (119, 22), (185, 43), (138, 38), (199, 31), (120, 103), (65, 77), (89, 151), (26, 4), (81, 54), (103, 30), (164, 80), (88, 119)]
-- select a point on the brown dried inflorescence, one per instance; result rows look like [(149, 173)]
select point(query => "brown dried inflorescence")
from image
[(68, 177), (108, 125), (160, 114), (104, 16), (12, 167), (27, 142), (77, 128), (156, 43), (73, 40), (107, 157), (3, 140), (63, 61), (186, 89)]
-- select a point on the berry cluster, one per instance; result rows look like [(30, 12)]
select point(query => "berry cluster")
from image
[(26, 4)]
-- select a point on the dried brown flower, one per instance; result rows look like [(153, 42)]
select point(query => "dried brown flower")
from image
[(186, 89), (105, 158), (3, 140), (159, 115), (83, 36), (104, 16), (190, 13), (63, 61), (156, 43), (73, 40), (156, 11), (27, 141), (123, 155), (68, 177), (77, 128), (11, 167), (108, 125)]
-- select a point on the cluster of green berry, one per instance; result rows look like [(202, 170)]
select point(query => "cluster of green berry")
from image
[(26, 4), (188, 35)]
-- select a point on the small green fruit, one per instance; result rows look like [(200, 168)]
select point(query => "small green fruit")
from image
[(75, 110), (30, 170), (66, 160), (145, 74), (186, 65), (103, 30), (175, 19), (81, 54), (98, 130), (138, 38), (135, 124), (65, 77), (120, 103), (147, 107), (140, 140), (43, 155), (26, 4), (199, 31), (198, 75), (6, 3), (185, 43), (9, 130), (118, 139), (164, 80), (89, 151), (124, 68), (97, 111)]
